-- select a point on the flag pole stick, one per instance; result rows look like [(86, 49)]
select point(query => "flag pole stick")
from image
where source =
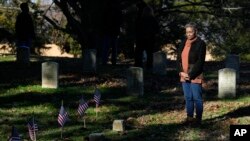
[(96, 107), (62, 126), (84, 121), (34, 128), (62, 132)]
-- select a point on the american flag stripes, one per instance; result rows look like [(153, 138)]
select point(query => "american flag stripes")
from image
[(14, 135), (83, 106), (97, 97), (63, 116), (32, 127)]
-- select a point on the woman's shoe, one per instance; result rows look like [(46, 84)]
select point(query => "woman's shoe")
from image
[(189, 121)]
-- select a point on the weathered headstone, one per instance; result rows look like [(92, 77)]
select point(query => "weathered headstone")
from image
[(50, 75), (135, 81), (96, 137), (118, 125), (227, 83), (159, 63), (23, 55), (233, 62), (89, 61)]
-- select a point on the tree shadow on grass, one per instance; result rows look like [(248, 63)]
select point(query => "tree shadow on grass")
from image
[(210, 129), (27, 99), (162, 132), (240, 112)]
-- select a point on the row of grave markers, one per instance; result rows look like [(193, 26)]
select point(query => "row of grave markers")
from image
[(89, 62), (227, 77), (159, 62), (50, 73)]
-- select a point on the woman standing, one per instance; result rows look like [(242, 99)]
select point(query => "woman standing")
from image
[(191, 58)]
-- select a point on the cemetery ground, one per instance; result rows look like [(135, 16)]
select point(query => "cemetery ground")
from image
[(158, 115)]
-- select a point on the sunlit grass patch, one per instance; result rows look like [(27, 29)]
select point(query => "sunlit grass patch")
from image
[(244, 120), (211, 75), (191, 134), (7, 58)]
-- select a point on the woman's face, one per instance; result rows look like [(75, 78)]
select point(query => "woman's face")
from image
[(190, 33)]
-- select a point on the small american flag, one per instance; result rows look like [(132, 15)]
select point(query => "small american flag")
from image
[(14, 135), (97, 97), (83, 106), (62, 117), (32, 127)]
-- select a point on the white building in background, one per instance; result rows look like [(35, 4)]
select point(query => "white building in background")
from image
[(42, 2)]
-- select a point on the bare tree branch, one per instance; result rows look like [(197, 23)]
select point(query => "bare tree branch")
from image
[(55, 25)]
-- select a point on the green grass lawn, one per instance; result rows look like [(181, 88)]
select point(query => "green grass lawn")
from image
[(158, 115), (7, 58)]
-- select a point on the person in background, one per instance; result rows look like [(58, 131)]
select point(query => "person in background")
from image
[(24, 27), (111, 30), (190, 61), (146, 30), (24, 34)]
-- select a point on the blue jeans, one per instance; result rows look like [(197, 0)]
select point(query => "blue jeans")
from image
[(193, 98), (24, 43)]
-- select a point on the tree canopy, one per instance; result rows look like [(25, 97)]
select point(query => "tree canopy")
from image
[(224, 24)]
